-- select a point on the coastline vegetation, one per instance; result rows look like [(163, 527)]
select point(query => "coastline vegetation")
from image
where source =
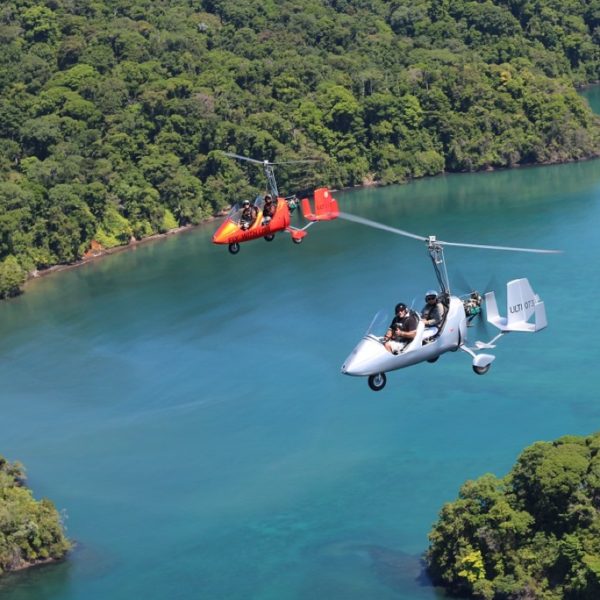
[(532, 534), (31, 531), (112, 112)]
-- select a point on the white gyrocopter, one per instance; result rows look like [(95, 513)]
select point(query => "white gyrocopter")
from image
[(525, 313)]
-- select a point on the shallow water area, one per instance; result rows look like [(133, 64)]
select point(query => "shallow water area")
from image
[(185, 407)]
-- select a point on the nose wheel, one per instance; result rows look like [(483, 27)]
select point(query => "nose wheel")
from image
[(377, 382), (234, 248), (481, 370)]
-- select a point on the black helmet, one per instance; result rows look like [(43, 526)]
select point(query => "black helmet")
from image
[(268, 198), (400, 306)]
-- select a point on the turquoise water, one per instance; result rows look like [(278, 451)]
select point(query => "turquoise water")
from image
[(592, 94), (185, 407)]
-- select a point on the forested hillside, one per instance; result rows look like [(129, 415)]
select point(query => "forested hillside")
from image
[(535, 534), (111, 111)]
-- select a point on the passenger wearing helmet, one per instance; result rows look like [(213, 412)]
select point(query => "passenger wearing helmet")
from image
[(402, 329), (268, 210), (248, 216), (433, 311)]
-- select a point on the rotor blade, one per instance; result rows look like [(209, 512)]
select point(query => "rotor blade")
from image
[(295, 162), (509, 248), (376, 225), (252, 160)]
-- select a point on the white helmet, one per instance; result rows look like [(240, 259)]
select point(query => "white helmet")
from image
[(430, 293)]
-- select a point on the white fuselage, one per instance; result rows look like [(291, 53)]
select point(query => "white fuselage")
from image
[(370, 357)]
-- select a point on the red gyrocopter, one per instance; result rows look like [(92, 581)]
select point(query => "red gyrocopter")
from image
[(248, 221)]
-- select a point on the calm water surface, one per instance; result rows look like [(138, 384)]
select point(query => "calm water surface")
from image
[(185, 407)]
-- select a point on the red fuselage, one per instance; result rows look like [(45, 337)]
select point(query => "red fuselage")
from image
[(231, 232)]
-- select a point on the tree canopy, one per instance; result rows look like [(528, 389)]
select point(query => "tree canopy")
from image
[(532, 534), (112, 113)]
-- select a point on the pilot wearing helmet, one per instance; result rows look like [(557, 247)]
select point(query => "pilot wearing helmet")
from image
[(433, 311), (268, 210), (248, 216), (402, 329)]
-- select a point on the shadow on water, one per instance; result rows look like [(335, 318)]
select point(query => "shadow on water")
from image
[(398, 571)]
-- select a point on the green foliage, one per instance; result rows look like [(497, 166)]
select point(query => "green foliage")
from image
[(114, 230), (30, 530), (12, 277), (168, 222), (112, 110), (534, 533)]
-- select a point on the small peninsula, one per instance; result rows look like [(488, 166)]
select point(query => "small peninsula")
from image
[(31, 531), (534, 534)]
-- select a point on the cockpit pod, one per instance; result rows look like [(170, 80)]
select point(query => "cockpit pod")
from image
[(370, 357)]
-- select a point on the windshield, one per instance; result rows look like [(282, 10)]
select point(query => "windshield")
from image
[(379, 323), (259, 202), (235, 214), (233, 211)]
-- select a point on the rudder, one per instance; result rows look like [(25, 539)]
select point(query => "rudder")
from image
[(326, 206)]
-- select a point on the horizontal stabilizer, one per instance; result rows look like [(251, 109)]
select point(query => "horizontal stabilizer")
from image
[(326, 206)]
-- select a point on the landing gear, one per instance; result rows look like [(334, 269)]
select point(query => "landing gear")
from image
[(432, 360), (297, 240), (234, 248), (270, 237), (481, 370), (377, 382)]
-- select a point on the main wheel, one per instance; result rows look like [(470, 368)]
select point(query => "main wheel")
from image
[(297, 240), (270, 237), (377, 382), (481, 370), (234, 248), (432, 360)]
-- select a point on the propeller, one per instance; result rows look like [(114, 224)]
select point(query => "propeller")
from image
[(468, 291), (433, 241)]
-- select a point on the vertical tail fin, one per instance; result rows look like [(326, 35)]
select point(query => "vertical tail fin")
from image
[(521, 304), (326, 206), (520, 301)]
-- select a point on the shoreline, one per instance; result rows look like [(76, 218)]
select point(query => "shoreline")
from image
[(96, 255), (134, 243)]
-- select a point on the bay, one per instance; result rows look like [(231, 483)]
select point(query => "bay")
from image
[(185, 407)]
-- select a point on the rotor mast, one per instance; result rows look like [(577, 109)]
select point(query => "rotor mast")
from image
[(271, 181), (436, 253)]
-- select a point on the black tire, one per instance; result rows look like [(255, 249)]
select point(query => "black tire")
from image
[(432, 360), (377, 382), (270, 237), (234, 248), (297, 240), (481, 370)]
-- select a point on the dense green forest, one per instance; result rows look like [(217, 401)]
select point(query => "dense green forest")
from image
[(112, 112), (30, 531), (533, 534)]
